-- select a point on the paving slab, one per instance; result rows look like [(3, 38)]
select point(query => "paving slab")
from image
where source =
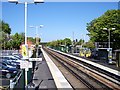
[(42, 78)]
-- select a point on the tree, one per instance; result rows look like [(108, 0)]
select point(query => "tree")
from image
[(110, 19), (5, 27), (3, 38), (80, 42), (5, 31), (37, 40), (33, 40), (89, 44), (57, 43), (67, 42), (17, 40), (22, 36)]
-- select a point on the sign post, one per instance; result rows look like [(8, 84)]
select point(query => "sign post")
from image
[(25, 65)]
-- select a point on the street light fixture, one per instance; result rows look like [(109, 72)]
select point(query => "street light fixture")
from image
[(36, 35), (109, 49), (109, 34), (36, 27), (26, 3), (38, 1), (36, 30), (13, 1), (35, 1)]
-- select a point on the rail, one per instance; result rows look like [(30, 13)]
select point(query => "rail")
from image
[(59, 79), (93, 64), (92, 70)]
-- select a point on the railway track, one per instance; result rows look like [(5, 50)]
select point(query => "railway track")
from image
[(91, 78)]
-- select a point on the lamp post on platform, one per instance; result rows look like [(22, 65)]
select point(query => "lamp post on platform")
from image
[(109, 48), (25, 2), (36, 27)]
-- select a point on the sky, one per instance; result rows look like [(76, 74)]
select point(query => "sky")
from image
[(60, 19)]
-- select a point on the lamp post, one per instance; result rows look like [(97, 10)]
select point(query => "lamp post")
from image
[(26, 3), (109, 49), (109, 35), (36, 27), (26, 23)]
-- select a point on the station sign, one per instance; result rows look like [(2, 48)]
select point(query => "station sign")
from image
[(25, 51), (35, 59), (25, 64)]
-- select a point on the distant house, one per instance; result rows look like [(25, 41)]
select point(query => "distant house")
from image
[(29, 43)]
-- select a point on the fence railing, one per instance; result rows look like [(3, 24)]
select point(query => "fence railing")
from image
[(18, 82)]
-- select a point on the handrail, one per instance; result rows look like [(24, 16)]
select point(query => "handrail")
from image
[(15, 80)]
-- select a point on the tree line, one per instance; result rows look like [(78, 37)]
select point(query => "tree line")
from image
[(68, 42), (110, 19), (8, 41)]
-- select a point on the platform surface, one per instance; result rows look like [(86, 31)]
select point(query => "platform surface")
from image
[(42, 77), (104, 66), (101, 62)]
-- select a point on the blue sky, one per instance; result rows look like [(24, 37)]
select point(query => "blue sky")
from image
[(60, 19)]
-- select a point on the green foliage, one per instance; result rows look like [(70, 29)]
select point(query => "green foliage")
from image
[(5, 27), (109, 19), (56, 43), (80, 42), (5, 31), (8, 41), (33, 40), (67, 42), (17, 40), (89, 44)]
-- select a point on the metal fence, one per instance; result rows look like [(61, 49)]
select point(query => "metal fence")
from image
[(18, 82)]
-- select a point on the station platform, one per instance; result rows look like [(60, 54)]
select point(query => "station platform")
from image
[(101, 62), (47, 76), (42, 78), (109, 68), (58, 77)]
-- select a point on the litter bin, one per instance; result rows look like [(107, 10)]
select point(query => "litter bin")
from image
[(29, 75)]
